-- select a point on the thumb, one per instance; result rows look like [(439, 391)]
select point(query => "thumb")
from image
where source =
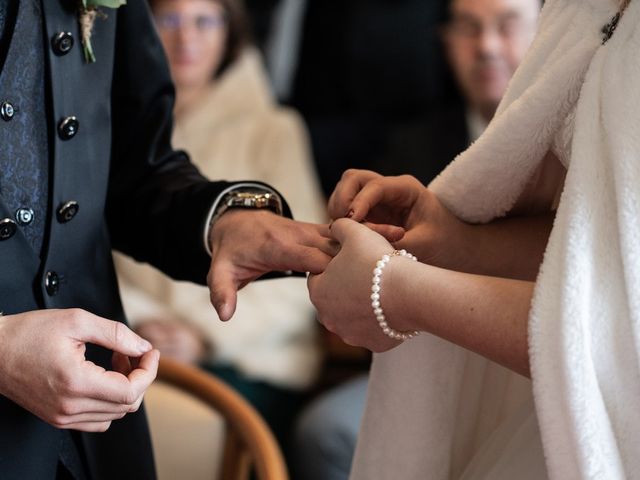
[(113, 335), (223, 290)]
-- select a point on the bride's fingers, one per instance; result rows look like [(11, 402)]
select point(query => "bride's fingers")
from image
[(391, 233), (385, 195), (350, 184), (371, 195)]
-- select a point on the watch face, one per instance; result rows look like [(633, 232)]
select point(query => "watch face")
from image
[(255, 200), (262, 201)]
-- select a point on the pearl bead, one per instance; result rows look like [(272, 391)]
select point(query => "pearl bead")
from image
[(376, 288)]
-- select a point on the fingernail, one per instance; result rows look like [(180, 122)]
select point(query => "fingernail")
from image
[(144, 346), (221, 310)]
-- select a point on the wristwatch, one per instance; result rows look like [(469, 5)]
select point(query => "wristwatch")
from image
[(242, 197), (249, 199)]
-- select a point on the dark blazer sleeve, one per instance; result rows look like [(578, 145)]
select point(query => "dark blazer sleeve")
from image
[(157, 200)]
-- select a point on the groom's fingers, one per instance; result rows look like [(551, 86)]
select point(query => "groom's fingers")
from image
[(303, 258), (319, 237)]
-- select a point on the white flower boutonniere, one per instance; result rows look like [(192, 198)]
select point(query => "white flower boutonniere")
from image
[(89, 10)]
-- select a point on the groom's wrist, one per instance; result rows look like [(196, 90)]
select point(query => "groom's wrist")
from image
[(242, 195)]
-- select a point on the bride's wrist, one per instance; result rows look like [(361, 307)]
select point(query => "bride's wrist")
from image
[(384, 294)]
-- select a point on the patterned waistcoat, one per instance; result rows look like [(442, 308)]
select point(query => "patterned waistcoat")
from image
[(24, 152)]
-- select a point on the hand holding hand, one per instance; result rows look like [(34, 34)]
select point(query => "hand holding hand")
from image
[(43, 368), (342, 293), (433, 233), (249, 243)]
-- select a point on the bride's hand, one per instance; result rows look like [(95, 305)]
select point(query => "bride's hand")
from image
[(433, 233), (342, 293)]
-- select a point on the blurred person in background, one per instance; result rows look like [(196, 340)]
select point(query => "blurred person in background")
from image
[(484, 44), (485, 41), (227, 120)]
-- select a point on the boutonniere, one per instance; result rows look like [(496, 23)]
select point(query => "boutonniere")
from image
[(89, 10)]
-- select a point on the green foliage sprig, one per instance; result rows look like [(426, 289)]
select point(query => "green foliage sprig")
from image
[(89, 10)]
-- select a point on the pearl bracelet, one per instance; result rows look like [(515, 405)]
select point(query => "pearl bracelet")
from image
[(375, 296)]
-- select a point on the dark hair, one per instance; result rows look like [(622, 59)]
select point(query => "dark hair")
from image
[(238, 33)]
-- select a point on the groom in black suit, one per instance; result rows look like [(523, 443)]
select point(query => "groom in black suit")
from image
[(86, 166)]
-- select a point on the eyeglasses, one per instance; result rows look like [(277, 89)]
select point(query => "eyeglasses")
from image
[(203, 23)]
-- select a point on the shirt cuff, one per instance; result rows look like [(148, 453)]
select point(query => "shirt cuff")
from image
[(216, 203)]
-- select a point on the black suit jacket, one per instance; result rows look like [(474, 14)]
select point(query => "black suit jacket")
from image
[(135, 194)]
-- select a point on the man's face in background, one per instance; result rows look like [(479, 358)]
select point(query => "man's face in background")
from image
[(486, 40)]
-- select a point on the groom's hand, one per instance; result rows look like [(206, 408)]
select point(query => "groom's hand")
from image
[(246, 244), (43, 368)]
